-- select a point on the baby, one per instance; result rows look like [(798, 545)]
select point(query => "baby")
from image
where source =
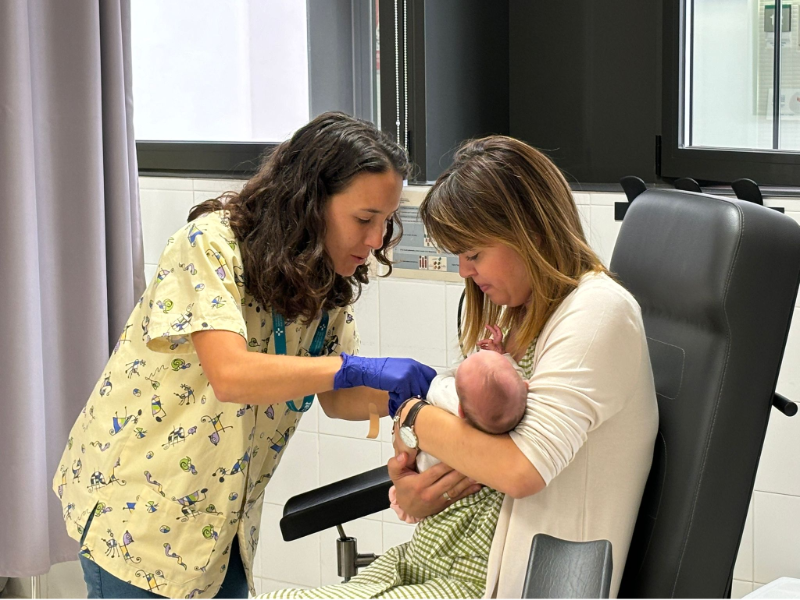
[(487, 390)]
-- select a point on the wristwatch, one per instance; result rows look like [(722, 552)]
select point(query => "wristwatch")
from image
[(407, 433)]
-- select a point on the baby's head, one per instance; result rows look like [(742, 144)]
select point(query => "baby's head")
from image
[(493, 396)]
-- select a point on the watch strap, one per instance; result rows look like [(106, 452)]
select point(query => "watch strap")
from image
[(399, 410), (412, 413)]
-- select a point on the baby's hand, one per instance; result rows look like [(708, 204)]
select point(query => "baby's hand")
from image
[(403, 515), (495, 342)]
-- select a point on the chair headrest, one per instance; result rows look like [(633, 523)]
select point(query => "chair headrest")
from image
[(697, 242)]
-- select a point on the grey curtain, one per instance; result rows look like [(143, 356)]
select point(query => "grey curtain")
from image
[(71, 261)]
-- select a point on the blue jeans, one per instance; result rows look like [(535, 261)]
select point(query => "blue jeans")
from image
[(102, 584)]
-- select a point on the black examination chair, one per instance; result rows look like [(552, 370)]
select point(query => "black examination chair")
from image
[(717, 281)]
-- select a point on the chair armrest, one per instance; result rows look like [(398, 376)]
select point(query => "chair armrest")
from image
[(336, 503)]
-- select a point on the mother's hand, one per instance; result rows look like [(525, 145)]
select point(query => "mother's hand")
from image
[(425, 494)]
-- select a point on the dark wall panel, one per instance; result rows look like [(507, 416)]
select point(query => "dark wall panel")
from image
[(330, 56), (585, 84), (466, 75)]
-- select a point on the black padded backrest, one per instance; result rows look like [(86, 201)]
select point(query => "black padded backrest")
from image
[(561, 569), (716, 279)]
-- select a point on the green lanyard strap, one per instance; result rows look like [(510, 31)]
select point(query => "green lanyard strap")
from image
[(279, 331)]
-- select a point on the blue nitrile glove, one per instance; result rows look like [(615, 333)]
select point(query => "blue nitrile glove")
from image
[(401, 377)]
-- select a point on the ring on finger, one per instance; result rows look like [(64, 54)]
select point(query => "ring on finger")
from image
[(447, 497)]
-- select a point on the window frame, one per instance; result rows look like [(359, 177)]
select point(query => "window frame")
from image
[(707, 165)]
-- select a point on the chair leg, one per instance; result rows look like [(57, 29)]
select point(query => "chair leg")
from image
[(349, 561)]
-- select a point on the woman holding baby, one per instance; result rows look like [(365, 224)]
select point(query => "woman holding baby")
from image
[(576, 463)]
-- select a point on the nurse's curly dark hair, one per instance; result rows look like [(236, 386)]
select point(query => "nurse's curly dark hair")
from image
[(279, 216)]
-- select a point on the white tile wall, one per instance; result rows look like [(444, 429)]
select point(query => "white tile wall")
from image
[(412, 320), (401, 317)]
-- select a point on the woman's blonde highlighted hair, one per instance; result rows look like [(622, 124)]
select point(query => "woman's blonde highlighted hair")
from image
[(499, 190)]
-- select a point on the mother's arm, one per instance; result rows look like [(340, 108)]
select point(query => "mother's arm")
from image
[(493, 460), (468, 456)]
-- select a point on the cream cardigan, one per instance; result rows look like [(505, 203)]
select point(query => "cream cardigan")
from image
[(589, 430)]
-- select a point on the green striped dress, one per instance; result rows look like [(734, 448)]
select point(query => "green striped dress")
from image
[(447, 557)]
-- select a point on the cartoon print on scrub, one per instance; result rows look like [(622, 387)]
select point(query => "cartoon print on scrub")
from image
[(220, 270), (127, 540), (162, 274), (122, 339), (253, 539), (187, 504), (331, 343), (98, 480), (63, 484), (193, 232), (280, 442), (175, 436), (186, 465), (112, 547), (176, 364), (190, 267), (118, 424), (216, 423), (88, 423), (132, 368), (152, 582), (196, 591), (85, 552), (185, 396), (145, 326), (106, 388), (244, 409), (76, 471), (238, 278), (158, 411), (240, 466), (184, 320), (152, 378), (153, 482), (231, 242)]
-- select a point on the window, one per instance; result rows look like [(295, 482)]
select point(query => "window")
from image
[(732, 91), (216, 84), (219, 72)]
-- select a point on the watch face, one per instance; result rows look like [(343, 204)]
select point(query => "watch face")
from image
[(409, 437)]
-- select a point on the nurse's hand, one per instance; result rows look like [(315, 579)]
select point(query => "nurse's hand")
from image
[(403, 378), (424, 494)]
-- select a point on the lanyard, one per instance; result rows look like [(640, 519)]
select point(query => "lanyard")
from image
[(279, 331)]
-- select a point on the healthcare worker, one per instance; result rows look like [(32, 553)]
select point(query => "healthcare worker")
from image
[(248, 318)]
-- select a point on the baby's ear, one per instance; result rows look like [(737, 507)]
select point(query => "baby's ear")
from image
[(460, 411)]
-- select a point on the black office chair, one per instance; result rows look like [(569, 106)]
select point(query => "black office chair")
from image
[(717, 281)]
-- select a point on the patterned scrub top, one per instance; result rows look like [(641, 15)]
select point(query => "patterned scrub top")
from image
[(171, 473)]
